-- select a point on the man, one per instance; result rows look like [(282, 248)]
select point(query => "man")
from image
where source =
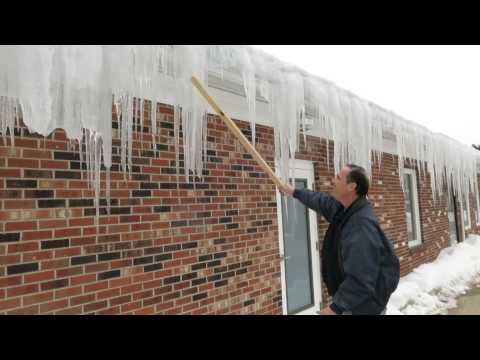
[(359, 265)]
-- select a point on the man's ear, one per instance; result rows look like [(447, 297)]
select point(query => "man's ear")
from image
[(352, 186)]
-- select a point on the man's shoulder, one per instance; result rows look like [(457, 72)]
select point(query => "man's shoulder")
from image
[(364, 219)]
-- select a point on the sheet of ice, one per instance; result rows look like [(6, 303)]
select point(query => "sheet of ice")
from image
[(432, 288), (75, 87)]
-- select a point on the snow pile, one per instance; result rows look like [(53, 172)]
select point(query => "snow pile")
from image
[(432, 288)]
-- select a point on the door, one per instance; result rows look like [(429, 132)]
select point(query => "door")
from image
[(298, 243)]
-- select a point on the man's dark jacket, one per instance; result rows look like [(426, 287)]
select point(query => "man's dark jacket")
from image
[(359, 265)]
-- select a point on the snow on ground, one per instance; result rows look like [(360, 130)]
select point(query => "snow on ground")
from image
[(432, 288)]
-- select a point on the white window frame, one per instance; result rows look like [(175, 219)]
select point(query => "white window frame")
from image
[(416, 207), (468, 226)]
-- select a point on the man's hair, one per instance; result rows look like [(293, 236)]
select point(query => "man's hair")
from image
[(358, 175)]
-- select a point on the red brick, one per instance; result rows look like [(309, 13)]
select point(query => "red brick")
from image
[(30, 246), (95, 306), (62, 233), (52, 306), (71, 311), (10, 173), (22, 290), (54, 264), (68, 252), (83, 279), (37, 154), (22, 225), (78, 184), (11, 151), (152, 284), (51, 224), (95, 286), (10, 259), (142, 295), (60, 135), (69, 272), (110, 311), (96, 267), (144, 226), (39, 255), (120, 263), (10, 281), (20, 204), (32, 310), (39, 277), (10, 215), (52, 184), (54, 164), (108, 294), (120, 300), (81, 222), (9, 303), (118, 228), (131, 288), (164, 306), (82, 299), (36, 235), (55, 145), (120, 282), (82, 241), (29, 143), (68, 292), (131, 306), (37, 298), (146, 311), (161, 162), (42, 214), (23, 163)]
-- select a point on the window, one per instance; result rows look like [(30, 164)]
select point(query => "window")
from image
[(466, 212), (411, 207)]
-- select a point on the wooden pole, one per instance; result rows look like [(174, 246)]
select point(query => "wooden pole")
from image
[(238, 134)]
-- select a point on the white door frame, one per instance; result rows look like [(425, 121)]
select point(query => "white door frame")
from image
[(303, 170)]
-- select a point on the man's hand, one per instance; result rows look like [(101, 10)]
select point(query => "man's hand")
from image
[(286, 189), (327, 311)]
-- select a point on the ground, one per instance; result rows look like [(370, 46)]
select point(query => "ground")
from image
[(468, 304)]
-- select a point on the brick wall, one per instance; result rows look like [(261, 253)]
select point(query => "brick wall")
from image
[(167, 246)]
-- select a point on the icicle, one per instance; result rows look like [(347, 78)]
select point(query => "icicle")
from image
[(204, 143), (153, 119), (79, 141), (142, 110), (129, 125), (87, 155), (176, 131), (124, 132), (98, 155), (107, 189)]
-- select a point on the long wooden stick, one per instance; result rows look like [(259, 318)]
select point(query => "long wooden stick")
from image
[(238, 134)]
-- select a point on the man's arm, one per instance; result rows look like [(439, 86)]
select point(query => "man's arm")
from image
[(361, 264), (320, 202)]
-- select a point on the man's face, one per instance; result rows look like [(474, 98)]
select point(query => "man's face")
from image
[(341, 188)]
